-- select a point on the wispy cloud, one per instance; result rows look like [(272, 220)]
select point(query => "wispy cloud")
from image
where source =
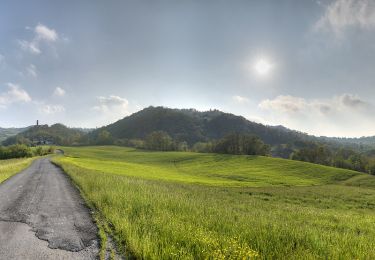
[(352, 101), (42, 34), (49, 109), (31, 71), (340, 115), (240, 99), (2, 62), (343, 14), (291, 104), (59, 92), (287, 104), (14, 94)]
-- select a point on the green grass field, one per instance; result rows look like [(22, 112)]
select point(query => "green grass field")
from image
[(168, 205), (10, 167)]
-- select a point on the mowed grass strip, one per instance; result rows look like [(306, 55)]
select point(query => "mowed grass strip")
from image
[(161, 219), (12, 166)]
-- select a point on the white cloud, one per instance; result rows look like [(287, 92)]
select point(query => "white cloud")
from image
[(50, 109), (42, 34), (111, 108), (15, 94), (287, 104), (340, 115), (31, 71), (343, 14), (112, 104), (240, 99), (291, 104), (59, 92)]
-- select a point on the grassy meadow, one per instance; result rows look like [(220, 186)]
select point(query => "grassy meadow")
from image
[(12, 166), (168, 205)]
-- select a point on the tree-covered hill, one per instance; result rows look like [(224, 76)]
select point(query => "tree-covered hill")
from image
[(193, 126), (160, 128), (43, 134)]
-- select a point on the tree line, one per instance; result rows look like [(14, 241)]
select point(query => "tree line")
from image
[(234, 143), (23, 151), (248, 144), (341, 157)]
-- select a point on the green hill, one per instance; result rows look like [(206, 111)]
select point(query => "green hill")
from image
[(57, 134), (193, 126)]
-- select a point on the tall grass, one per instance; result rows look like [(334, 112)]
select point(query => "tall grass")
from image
[(162, 218), (12, 166)]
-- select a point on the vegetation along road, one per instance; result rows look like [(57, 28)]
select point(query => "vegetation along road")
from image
[(183, 205), (42, 216)]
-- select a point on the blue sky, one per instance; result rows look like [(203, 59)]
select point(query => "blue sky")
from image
[(308, 65)]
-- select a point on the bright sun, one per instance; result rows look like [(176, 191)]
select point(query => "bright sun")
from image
[(263, 67)]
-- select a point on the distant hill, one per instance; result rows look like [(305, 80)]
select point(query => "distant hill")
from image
[(43, 134), (8, 132), (193, 126), (187, 125), (364, 140)]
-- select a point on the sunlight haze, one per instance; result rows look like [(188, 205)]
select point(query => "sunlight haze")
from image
[(90, 63)]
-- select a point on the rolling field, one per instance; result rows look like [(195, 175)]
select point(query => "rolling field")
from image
[(168, 205), (10, 167)]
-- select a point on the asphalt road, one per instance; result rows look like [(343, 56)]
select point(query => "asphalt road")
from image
[(42, 216)]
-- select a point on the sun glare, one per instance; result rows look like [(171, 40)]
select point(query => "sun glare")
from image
[(263, 67)]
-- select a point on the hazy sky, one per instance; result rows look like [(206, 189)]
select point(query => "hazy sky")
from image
[(308, 65)]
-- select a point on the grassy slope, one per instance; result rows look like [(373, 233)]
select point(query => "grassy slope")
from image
[(10, 167), (264, 210), (211, 169)]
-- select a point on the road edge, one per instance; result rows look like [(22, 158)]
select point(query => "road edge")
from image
[(108, 248)]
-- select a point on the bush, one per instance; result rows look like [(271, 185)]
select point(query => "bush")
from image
[(241, 144), (41, 151), (23, 151), (15, 151), (202, 147), (159, 141)]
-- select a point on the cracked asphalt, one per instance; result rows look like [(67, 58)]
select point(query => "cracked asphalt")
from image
[(42, 216)]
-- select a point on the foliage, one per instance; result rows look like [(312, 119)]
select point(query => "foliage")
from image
[(15, 151), (192, 126), (104, 137), (203, 147), (23, 151), (56, 134), (159, 141), (169, 205), (241, 144), (342, 157)]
